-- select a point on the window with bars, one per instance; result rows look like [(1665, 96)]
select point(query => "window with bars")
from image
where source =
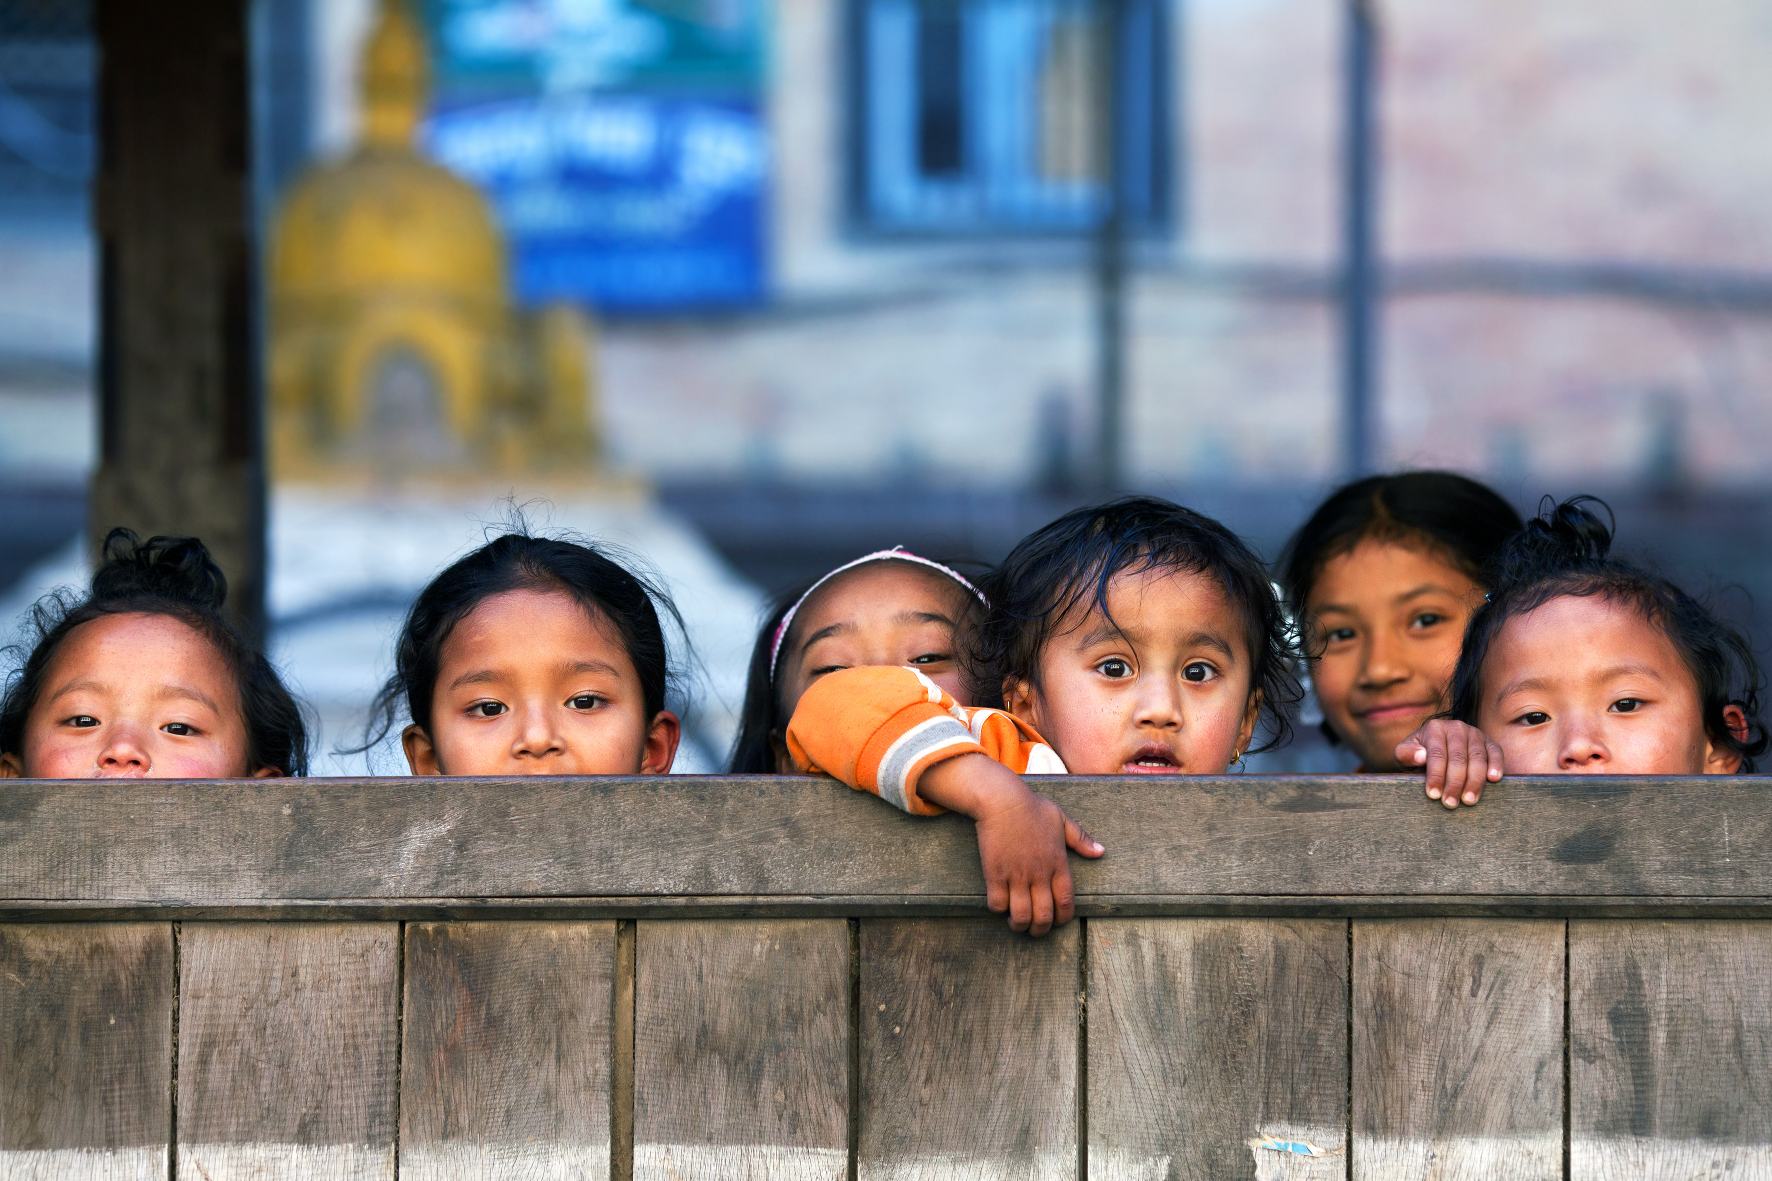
[(986, 116)]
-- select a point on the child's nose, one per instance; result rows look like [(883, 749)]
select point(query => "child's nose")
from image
[(123, 751), (1382, 664), (1159, 703), (1582, 747), (538, 737)]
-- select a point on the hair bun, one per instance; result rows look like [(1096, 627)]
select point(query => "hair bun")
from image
[(177, 568), (1573, 535), (1575, 528)]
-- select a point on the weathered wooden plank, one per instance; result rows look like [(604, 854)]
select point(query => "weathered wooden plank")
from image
[(969, 1047), (85, 1050), (286, 1050), (1215, 1043), (1458, 1049), (741, 1050), (1276, 843), (1670, 1037), (505, 1066)]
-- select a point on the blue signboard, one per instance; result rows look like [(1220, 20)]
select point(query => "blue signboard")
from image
[(624, 148)]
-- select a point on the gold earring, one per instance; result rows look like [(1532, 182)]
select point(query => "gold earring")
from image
[(1237, 756)]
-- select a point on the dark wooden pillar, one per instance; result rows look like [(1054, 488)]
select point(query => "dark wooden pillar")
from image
[(181, 441)]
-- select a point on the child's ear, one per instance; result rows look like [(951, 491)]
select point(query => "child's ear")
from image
[(1720, 760), (662, 737), (267, 773), (1021, 699), (11, 767), (421, 754), (1251, 714)]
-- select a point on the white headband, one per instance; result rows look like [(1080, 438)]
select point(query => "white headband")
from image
[(896, 554)]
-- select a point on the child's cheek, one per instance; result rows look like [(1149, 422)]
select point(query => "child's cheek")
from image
[(1524, 752)]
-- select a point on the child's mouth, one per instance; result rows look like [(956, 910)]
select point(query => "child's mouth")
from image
[(1151, 760)]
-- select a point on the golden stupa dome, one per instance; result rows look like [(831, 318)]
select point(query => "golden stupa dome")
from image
[(384, 218), (394, 346)]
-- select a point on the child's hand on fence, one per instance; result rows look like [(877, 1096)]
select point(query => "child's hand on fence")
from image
[(1458, 759), (1022, 839)]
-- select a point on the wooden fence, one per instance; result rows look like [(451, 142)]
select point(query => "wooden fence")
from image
[(775, 978)]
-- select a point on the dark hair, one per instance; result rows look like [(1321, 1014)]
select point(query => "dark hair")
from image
[(608, 589), (175, 577), (1451, 514), (753, 751), (1564, 551), (1073, 560)]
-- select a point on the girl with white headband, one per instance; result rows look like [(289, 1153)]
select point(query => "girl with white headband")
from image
[(909, 619)]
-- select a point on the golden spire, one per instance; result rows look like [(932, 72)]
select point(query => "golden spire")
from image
[(396, 78)]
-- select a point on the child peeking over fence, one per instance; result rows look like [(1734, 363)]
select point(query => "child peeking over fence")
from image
[(1581, 663), (887, 625), (1383, 579), (144, 677), (1137, 637), (533, 656)]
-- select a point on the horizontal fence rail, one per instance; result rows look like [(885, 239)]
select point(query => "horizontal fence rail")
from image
[(416, 848), (778, 978)]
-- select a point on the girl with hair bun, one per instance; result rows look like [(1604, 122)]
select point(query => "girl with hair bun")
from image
[(1581, 663), (144, 677)]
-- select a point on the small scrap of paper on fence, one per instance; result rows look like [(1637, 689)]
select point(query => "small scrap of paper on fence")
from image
[(1294, 1147)]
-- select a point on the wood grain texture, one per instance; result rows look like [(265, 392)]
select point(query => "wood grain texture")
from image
[(1205, 1034), (1670, 1035), (741, 1050), (505, 1066), (85, 1050), (1458, 1049), (1267, 845), (968, 1051), (286, 1050)]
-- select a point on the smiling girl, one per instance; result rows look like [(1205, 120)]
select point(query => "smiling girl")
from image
[(145, 677), (1382, 579)]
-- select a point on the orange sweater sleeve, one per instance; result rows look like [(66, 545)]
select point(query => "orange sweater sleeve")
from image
[(878, 729)]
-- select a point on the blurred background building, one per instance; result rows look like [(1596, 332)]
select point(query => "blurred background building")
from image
[(754, 285)]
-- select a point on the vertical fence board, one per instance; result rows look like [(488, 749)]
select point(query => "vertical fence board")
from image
[(1670, 1028), (505, 1068), (741, 1050), (1458, 1048), (286, 1050), (1215, 1043), (968, 1051), (85, 1050)]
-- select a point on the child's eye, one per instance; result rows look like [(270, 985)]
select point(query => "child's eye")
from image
[(181, 729), (1336, 635), (81, 721), (1427, 619), (584, 701), (931, 658), (486, 709), (1199, 671), (1532, 717), (1628, 705), (1114, 668), (822, 669)]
